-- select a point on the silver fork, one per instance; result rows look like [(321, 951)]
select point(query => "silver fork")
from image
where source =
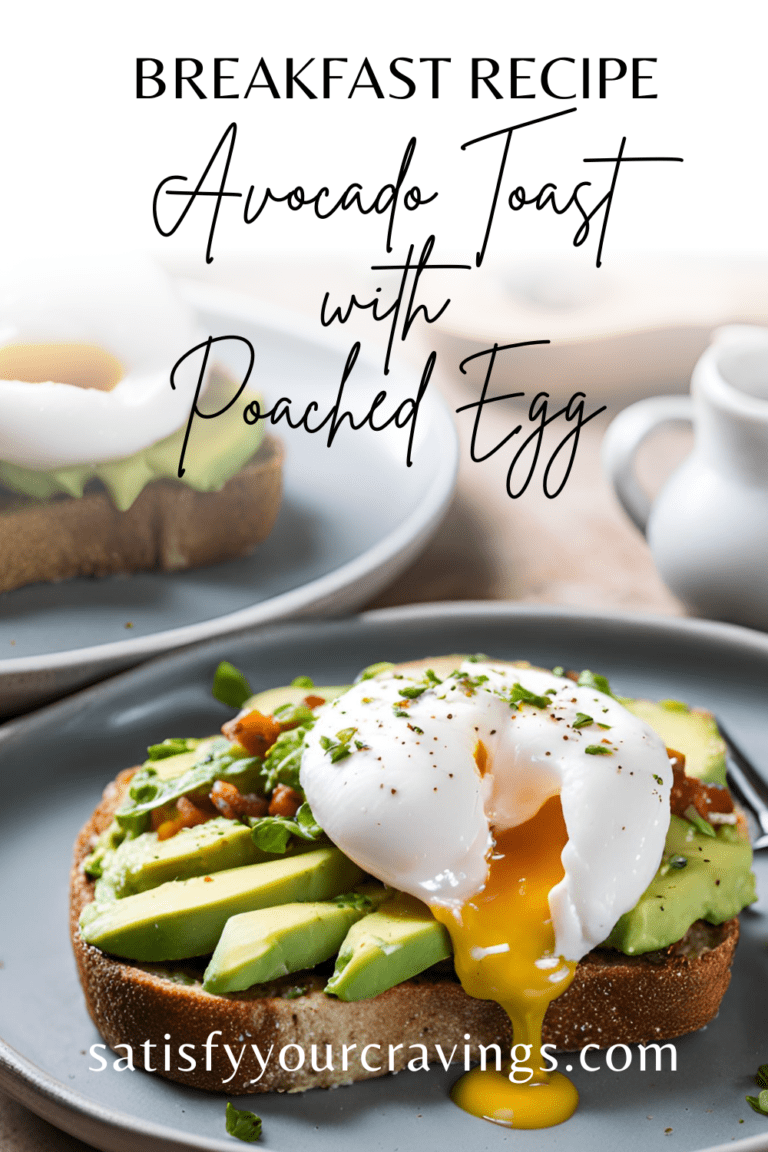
[(749, 788)]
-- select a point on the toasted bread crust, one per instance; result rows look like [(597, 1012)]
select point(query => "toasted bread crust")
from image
[(614, 999), (169, 526)]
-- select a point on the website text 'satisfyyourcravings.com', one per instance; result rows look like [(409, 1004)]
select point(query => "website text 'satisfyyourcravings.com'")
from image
[(379, 1058)]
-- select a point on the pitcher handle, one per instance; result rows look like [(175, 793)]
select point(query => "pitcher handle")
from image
[(624, 436)]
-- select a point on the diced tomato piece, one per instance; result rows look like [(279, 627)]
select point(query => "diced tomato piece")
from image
[(254, 731), (706, 798), (234, 804), (190, 813), (314, 701), (285, 801)]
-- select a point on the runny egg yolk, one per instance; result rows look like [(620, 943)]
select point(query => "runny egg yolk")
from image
[(83, 365), (504, 942)]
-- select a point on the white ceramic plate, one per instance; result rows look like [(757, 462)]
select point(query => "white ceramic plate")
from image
[(54, 765), (353, 517)]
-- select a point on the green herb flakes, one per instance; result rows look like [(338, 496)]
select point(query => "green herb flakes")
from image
[(243, 1125), (759, 1103), (230, 686), (582, 720), (273, 833), (338, 749), (598, 750), (589, 679), (302, 682), (521, 694)]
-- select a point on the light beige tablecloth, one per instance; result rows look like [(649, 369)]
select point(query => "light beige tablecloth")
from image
[(577, 550)]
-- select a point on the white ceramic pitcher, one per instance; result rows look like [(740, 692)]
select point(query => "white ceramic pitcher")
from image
[(708, 527)]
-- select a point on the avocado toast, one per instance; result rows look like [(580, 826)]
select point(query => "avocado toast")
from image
[(228, 915)]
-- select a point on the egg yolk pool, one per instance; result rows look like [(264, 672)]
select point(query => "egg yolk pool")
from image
[(503, 941), (83, 365)]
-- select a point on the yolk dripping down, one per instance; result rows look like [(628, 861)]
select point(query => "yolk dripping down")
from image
[(504, 941)]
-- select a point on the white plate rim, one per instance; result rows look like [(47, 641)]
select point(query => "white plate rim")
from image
[(397, 545), (40, 1091)]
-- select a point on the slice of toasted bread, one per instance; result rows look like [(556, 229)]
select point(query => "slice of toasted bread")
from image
[(614, 999), (169, 526)]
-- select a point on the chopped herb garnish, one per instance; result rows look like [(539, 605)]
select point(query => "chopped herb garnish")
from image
[(413, 692), (678, 862), (589, 679), (272, 833), (398, 711), (598, 750), (478, 658), (551, 692), (605, 727), (243, 1125), (339, 748), (282, 762), (558, 671), (698, 821), (519, 693), (433, 679), (302, 682), (759, 1103), (657, 778), (230, 685), (418, 731), (582, 720)]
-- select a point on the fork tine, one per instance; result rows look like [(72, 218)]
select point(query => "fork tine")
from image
[(748, 785)]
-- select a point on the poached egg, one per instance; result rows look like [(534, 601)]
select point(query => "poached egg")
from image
[(86, 350), (528, 812)]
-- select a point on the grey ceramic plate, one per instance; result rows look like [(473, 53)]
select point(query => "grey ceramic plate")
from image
[(353, 516), (54, 765)]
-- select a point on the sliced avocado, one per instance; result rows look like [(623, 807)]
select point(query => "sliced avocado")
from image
[(185, 918), (393, 944), (266, 702), (216, 451), (714, 884), (259, 946), (146, 862), (687, 730), (172, 766)]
